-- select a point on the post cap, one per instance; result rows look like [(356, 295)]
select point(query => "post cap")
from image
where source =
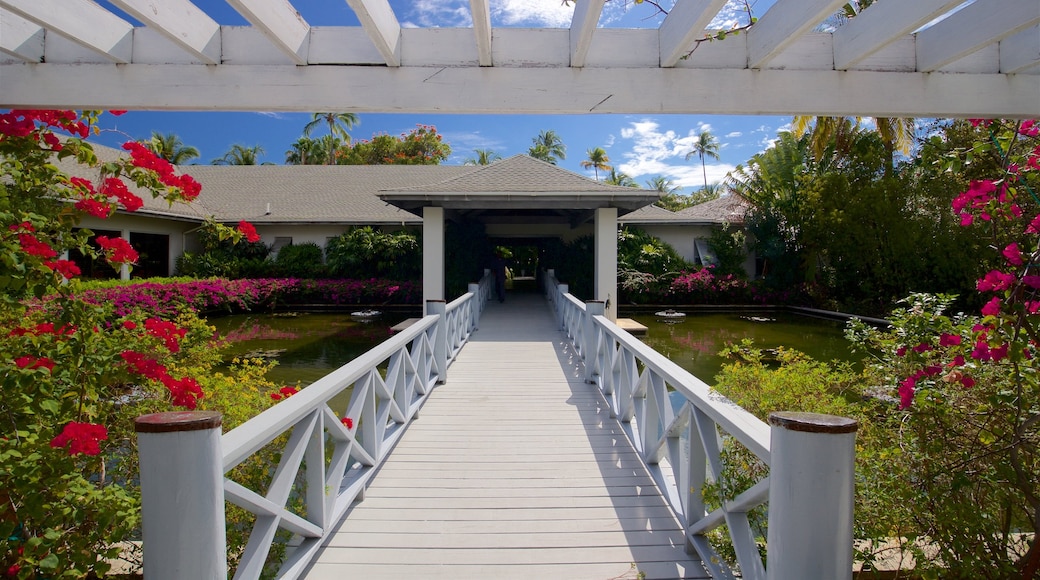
[(812, 422), (174, 421)]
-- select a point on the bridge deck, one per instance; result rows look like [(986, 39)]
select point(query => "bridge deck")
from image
[(514, 470)]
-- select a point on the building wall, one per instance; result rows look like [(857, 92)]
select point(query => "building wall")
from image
[(179, 232)]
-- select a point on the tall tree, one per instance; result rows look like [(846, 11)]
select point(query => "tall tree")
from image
[(597, 159), (548, 147), (706, 145), (620, 178), (306, 151), (662, 184), (338, 123), (483, 157), (169, 147), (241, 155)]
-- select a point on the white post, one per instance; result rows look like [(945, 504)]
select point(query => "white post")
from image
[(561, 304), (606, 259), (440, 333), (475, 307), (588, 348), (182, 495), (811, 484), (433, 254)]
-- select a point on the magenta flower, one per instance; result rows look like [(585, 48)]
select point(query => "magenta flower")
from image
[(1013, 254)]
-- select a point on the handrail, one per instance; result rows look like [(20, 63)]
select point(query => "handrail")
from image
[(382, 405), (678, 447)]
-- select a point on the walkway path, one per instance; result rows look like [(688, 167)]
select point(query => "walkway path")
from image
[(514, 470)]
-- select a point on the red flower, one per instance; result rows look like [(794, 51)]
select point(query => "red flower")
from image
[(66, 268), (1013, 255), (35, 247), (995, 281), (992, 308), (117, 250), (94, 207), (144, 366), (80, 438), (949, 339), (118, 113), (165, 331), (248, 231), (28, 227), (185, 392), (347, 422), (114, 187), (129, 324), (284, 393), (31, 362)]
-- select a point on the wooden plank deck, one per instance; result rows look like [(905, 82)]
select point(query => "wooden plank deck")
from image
[(514, 470)]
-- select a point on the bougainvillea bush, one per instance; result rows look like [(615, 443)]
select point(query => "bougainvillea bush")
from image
[(73, 375)]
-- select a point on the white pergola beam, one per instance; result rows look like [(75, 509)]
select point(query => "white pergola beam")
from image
[(583, 26), (83, 22), (180, 21), (482, 29), (380, 22), (280, 22), (882, 24), (20, 38), (782, 24), (683, 26), (1020, 52), (497, 90), (977, 25)]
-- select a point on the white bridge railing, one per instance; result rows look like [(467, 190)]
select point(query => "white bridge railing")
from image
[(810, 486), (331, 451)]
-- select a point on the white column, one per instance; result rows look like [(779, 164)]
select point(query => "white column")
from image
[(606, 259), (182, 495), (433, 254), (124, 270), (811, 491)]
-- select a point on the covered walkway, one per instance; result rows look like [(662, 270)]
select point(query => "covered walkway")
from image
[(514, 470)]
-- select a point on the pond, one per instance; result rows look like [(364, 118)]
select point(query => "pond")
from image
[(694, 342), (308, 346)]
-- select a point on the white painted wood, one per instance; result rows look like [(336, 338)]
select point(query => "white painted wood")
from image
[(531, 47), (492, 90), (438, 47), (482, 30), (182, 504), (248, 45), (975, 26), (280, 22), (615, 47), (782, 24), (342, 45), (811, 494), (180, 21), (20, 38), (730, 53), (583, 26), (82, 21), (899, 55), (810, 51), (433, 254), (379, 21), (153, 47), (606, 259), (986, 58), (885, 22), (1020, 52), (685, 23)]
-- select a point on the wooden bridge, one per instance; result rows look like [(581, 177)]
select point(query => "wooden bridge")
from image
[(558, 446), (514, 469)]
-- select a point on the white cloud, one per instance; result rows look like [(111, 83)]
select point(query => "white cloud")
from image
[(656, 153), (549, 13), (732, 15), (734, 134), (440, 13)]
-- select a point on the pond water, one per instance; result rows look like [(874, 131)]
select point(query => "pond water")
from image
[(308, 346), (694, 342)]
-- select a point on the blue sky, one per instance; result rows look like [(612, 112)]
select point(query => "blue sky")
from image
[(642, 146)]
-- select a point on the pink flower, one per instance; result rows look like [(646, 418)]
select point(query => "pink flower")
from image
[(995, 281), (1034, 226), (949, 339), (1013, 255), (1029, 128), (906, 392), (923, 347), (992, 308), (80, 438), (999, 353)]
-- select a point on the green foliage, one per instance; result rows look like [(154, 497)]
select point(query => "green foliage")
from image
[(222, 257), (366, 252), (420, 146), (729, 246), (646, 265), (300, 261)]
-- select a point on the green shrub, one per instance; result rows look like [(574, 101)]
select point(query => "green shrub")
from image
[(300, 261), (366, 252)]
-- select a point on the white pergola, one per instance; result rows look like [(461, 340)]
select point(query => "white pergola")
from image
[(898, 58), (910, 58)]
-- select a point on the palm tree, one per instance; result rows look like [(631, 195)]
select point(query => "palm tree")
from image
[(620, 178), (705, 145), (662, 185), (306, 151), (897, 134), (597, 160), (484, 157), (240, 155), (548, 147), (338, 124), (169, 147)]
